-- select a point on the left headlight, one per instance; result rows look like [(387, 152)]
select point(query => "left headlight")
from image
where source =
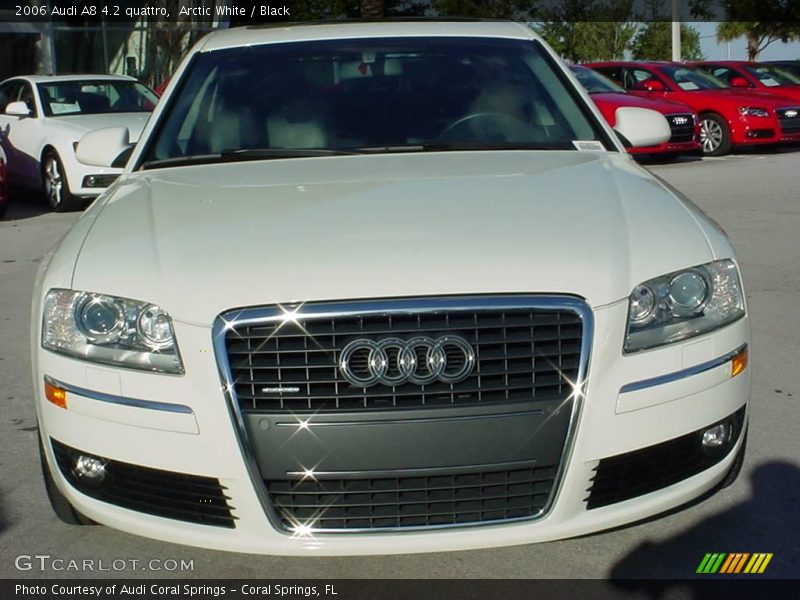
[(683, 304), (110, 330), (753, 111)]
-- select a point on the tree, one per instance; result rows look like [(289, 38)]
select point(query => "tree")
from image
[(759, 35), (487, 9), (582, 30), (654, 42), (585, 41)]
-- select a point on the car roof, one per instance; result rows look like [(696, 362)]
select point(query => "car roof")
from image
[(57, 78), (289, 32), (633, 63)]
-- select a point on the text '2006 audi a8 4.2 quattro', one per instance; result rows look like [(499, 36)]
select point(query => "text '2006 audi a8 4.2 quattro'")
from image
[(385, 287)]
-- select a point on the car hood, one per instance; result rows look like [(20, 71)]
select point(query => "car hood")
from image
[(204, 239), (83, 124), (750, 97), (615, 100)]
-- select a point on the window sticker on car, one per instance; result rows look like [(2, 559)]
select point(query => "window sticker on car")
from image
[(770, 82), (689, 85), (62, 108), (588, 145)]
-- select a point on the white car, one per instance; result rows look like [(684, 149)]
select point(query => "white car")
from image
[(42, 118), (337, 306)]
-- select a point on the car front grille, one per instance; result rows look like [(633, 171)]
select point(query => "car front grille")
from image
[(166, 494), (682, 127), (522, 354), (789, 119), (418, 500), (625, 476)]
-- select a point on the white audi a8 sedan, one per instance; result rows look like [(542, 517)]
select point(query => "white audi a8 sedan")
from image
[(388, 287)]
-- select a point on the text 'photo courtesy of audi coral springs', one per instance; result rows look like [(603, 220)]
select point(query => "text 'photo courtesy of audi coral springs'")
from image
[(334, 307)]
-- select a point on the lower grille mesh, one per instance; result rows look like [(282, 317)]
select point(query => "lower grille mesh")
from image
[(412, 501), (634, 474), (161, 493)]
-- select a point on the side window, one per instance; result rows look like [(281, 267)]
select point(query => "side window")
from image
[(723, 73), (26, 96), (9, 92), (613, 73)]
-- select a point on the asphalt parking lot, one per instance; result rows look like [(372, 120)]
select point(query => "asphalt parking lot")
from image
[(754, 196)]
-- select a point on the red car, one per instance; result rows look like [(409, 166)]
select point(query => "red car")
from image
[(753, 76), (728, 116), (608, 97)]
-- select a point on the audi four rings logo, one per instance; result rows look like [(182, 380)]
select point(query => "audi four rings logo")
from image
[(680, 120), (791, 114), (394, 361)]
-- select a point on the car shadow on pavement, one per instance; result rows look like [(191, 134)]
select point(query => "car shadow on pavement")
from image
[(25, 204), (767, 522)]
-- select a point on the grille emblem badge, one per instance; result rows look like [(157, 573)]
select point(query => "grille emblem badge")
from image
[(420, 360)]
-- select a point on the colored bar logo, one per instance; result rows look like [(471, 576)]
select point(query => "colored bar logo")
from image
[(733, 563)]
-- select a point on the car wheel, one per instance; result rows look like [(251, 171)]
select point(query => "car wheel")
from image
[(55, 184), (715, 136), (61, 506)]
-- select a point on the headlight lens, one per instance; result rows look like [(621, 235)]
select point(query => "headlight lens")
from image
[(110, 330), (683, 304), (753, 111)]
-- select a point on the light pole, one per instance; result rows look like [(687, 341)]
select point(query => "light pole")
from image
[(676, 31)]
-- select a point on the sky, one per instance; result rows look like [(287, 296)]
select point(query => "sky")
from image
[(738, 48)]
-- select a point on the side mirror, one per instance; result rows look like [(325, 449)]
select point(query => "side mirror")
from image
[(739, 82), (641, 126), (649, 85), (100, 148), (18, 109)]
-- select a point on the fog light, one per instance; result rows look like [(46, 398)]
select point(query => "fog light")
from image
[(717, 436), (89, 470)]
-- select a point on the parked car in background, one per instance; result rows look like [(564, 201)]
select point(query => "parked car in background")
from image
[(608, 96), (746, 75), (729, 117), (792, 66), (3, 186), (336, 306), (42, 118)]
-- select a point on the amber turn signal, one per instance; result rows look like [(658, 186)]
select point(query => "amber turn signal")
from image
[(56, 395), (739, 362)]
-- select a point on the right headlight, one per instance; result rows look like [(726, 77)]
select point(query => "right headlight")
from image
[(683, 304), (110, 330)]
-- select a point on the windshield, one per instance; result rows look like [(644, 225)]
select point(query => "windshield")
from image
[(594, 82), (379, 95), (772, 76), (95, 96), (691, 80)]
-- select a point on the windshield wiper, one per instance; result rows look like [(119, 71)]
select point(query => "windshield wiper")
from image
[(468, 146), (259, 153), (180, 161), (244, 154), (477, 147)]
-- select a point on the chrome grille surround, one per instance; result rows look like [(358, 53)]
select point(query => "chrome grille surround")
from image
[(682, 132), (789, 119), (265, 314)]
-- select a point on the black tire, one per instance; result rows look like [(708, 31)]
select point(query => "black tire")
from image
[(715, 135), (736, 467), (55, 185), (61, 506), (3, 209)]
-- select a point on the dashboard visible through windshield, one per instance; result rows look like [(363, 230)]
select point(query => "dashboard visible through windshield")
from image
[(374, 95)]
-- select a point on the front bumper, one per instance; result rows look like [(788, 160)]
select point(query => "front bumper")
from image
[(204, 442)]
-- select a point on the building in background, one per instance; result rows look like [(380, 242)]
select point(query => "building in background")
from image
[(146, 47)]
